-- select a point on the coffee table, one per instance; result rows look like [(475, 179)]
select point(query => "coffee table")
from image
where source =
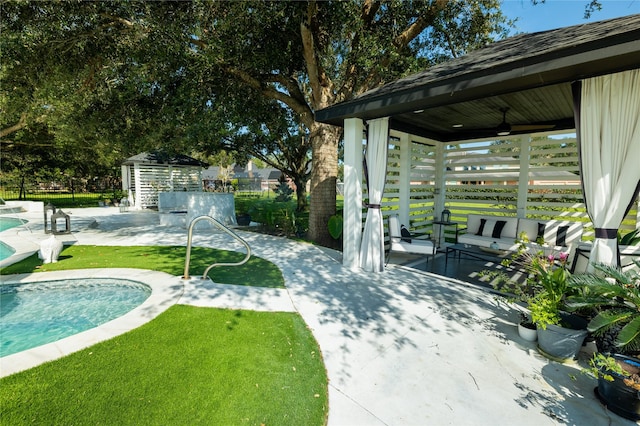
[(475, 253)]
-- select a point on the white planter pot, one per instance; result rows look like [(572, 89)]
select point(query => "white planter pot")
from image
[(528, 334)]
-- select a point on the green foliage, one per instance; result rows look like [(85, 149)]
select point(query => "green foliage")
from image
[(546, 286), (336, 222), (280, 218), (188, 366), (283, 191), (158, 258), (601, 365), (630, 239), (615, 296), (107, 80)]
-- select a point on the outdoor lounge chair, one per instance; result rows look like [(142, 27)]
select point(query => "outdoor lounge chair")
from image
[(407, 244)]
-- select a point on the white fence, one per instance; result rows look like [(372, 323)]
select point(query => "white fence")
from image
[(521, 176)]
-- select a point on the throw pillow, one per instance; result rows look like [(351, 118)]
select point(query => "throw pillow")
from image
[(540, 236), (488, 228), (561, 236), (497, 230), (405, 234), (481, 229)]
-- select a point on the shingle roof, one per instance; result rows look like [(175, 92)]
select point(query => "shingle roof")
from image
[(156, 157), (529, 47), (531, 74)]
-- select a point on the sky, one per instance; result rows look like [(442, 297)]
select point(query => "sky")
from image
[(563, 13)]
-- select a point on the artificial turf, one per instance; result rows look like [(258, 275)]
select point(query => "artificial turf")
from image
[(188, 366), (256, 272)]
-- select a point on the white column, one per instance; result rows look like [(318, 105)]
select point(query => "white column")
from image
[(523, 183), (137, 179), (352, 212), (439, 191), (405, 178), (638, 214)]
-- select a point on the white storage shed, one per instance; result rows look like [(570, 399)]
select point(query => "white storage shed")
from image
[(146, 174)]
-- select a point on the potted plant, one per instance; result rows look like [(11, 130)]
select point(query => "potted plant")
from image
[(618, 383), (560, 335), (615, 296), (527, 328), (243, 219)]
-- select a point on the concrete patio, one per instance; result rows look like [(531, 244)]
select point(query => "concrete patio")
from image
[(404, 347)]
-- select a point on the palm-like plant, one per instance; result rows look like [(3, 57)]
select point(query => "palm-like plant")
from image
[(615, 295)]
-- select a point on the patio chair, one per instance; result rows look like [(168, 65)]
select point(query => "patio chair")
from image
[(406, 243)]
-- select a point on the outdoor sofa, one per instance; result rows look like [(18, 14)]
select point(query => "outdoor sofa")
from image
[(504, 233)]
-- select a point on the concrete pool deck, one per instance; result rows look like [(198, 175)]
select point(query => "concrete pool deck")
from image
[(404, 347)]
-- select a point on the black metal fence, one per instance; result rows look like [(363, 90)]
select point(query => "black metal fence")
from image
[(72, 192)]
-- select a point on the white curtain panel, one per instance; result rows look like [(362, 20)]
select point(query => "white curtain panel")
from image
[(372, 247), (610, 154)]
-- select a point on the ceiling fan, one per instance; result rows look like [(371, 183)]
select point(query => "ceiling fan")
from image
[(505, 129)]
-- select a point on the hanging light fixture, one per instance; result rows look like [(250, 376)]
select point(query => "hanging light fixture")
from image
[(504, 128)]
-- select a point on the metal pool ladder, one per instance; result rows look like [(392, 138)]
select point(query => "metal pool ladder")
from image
[(221, 227)]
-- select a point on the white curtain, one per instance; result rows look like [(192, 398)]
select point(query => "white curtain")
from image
[(372, 247), (608, 125)]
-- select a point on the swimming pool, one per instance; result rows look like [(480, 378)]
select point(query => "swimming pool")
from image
[(34, 314), (6, 251), (10, 222)]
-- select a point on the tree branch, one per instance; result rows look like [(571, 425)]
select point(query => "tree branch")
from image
[(403, 39), (22, 123), (319, 81), (301, 108)]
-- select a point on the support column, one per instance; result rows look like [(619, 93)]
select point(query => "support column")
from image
[(523, 182), (352, 212), (404, 179), (439, 191), (137, 179)]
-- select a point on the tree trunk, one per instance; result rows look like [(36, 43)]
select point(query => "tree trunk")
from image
[(324, 173), (301, 194)]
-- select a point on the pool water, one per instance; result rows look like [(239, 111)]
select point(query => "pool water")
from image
[(10, 222), (6, 251), (38, 313)]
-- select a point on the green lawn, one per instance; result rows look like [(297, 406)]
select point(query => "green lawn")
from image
[(188, 366), (256, 272)]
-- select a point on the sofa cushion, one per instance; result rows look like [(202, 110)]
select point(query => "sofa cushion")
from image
[(562, 233), (509, 229), (532, 228), (483, 223), (497, 229), (488, 227)]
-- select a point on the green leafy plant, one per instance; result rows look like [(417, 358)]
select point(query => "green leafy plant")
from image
[(335, 225), (630, 239), (615, 296), (283, 191), (601, 365), (546, 286)]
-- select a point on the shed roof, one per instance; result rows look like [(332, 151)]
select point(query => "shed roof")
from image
[(531, 74), (157, 157)]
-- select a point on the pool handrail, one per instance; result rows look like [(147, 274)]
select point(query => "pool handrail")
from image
[(222, 227)]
